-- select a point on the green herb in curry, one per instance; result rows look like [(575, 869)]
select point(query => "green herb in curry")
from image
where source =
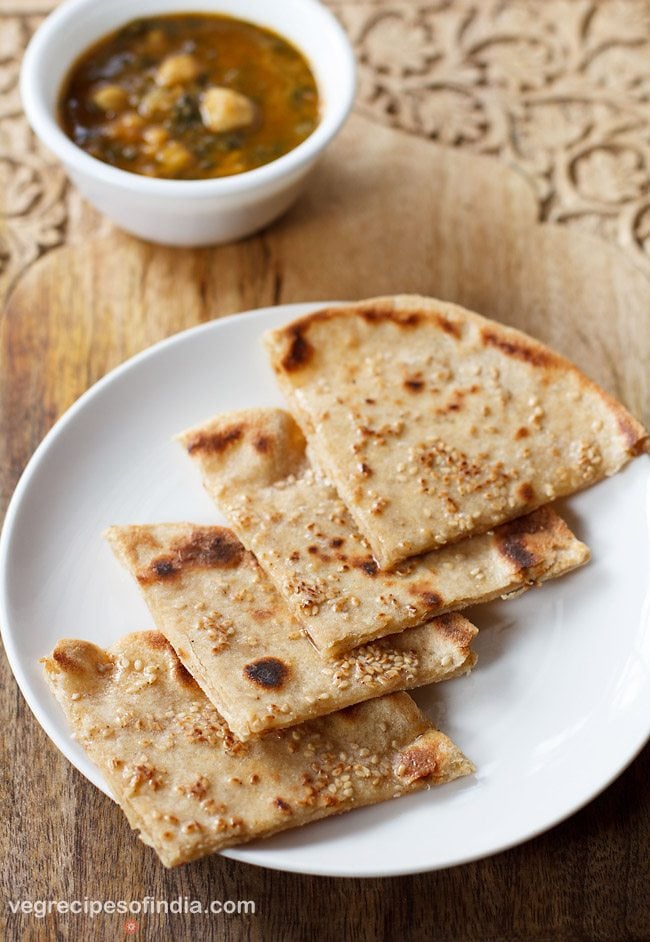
[(189, 96)]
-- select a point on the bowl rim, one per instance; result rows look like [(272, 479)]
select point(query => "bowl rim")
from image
[(45, 125)]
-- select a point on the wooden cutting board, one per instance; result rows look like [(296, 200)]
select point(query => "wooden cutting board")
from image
[(384, 213)]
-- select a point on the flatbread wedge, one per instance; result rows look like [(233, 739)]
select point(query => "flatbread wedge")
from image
[(234, 633), (435, 423), (254, 465), (191, 788)]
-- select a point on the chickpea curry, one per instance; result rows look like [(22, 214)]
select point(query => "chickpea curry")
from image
[(189, 96)]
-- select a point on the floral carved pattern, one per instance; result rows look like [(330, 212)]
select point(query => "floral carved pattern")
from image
[(559, 89), (32, 183)]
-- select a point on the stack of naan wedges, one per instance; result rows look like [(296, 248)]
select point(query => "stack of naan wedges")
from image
[(410, 478)]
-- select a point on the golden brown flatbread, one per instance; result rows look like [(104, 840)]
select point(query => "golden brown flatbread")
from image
[(435, 423), (191, 788), (255, 467), (233, 632)]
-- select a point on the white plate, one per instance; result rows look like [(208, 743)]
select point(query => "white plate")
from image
[(558, 705)]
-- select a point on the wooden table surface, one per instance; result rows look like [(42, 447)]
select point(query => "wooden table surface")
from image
[(529, 117)]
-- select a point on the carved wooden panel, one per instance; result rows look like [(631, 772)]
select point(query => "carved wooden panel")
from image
[(559, 90)]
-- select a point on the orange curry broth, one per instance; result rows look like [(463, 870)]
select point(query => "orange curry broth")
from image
[(156, 126)]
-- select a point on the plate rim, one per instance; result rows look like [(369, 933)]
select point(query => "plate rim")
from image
[(241, 854)]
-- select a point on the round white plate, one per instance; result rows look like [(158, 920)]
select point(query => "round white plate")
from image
[(558, 705)]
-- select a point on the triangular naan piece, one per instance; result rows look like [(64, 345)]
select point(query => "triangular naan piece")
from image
[(235, 635), (191, 788), (435, 423), (254, 465)]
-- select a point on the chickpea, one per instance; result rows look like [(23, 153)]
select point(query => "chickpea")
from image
[(223, 109), (155, 136), (173, 157), (126, 128), (111, 98), (177, 69), (156, 102)]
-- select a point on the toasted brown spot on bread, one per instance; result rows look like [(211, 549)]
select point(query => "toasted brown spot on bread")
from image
[(366, 563), (456, 629), (526, 491), (389, 313), (262, 614), (337, 541), (164, 566), (282, 805), (455, 404), (300, 350), (541, 519), (317, 551), (267, 672), (262, 443), (457, 400), (511, 537), (431, 599), (522, 433), (514, 548), (640, 446), (414, 385), (205, 548), (214, 442), (299, 353), (157, 641), (69, 664), (210, 546), (372, 313), (418, 762), (519, 349), (449, 327), (636, 440)]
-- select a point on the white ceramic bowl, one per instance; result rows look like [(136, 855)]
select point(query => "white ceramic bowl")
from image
[(188, 212)]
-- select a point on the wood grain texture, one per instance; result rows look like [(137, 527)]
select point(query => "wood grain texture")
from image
[(384, 213)]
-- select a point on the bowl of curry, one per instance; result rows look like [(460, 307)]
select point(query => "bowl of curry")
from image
[(189, 123)]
